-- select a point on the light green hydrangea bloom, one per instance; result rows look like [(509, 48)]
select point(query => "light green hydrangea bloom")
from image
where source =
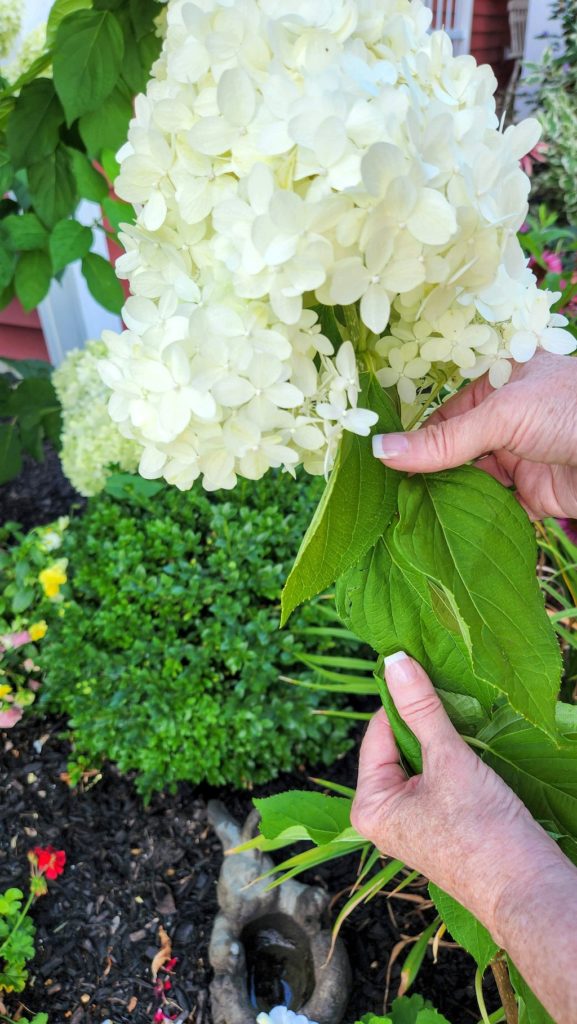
[(10, 23), (91, 441)]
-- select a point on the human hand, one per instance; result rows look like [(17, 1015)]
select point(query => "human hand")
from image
[(458, 823), (527, 430)]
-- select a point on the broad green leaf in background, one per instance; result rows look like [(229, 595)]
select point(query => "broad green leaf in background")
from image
[(107, 126), (392, 606), (32, 278), (117, 213), (89, 182), (110, 163), (464, 928), (465, 712), (542, 774), (102, 282), (53, 187), (10, 453), (61, 9), (356, 506), (142, 15), (34, 125), (322, 817), (7, 261), (530, 1009), (468, 534), (87, 61), (6, 170), (25, 232), (69, 241)]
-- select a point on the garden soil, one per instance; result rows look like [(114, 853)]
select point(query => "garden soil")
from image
[(133, 869)]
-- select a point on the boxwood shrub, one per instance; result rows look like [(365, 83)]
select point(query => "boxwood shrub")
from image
[(165, 653)]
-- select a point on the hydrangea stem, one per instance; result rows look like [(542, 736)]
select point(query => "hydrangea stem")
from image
[(480, 998)]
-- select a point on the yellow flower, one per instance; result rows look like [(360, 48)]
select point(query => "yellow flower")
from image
[(38, 629), (52, 578), (5, 690)]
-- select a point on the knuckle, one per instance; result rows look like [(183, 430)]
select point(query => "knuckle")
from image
[(422, 708), (440, 442)]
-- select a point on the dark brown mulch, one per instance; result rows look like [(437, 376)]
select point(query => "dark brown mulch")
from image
[(39, 494), (131, 868)]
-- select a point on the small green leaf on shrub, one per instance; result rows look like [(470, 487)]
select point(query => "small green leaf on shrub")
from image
[(323, 817), (25, 232), (34, 124), (356, 506), (90, 183), (53, 187), (10, 902), (87, 60), (32, 278), (464, 928), (69, 241), (107, 126), (102, 282)]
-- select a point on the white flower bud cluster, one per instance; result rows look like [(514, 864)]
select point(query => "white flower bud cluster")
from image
[(91, 442), (289, 154)]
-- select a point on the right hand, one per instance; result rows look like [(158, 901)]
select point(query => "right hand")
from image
[(526, 431)]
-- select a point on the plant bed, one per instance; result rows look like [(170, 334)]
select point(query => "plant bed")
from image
[(132, 868)]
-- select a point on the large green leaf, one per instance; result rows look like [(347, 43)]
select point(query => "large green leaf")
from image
[(322, 818), (32, 278), (61, 9), (102, 282), (107, 126), (467, 533), (53, 187), (90, 183), (465, 929), (87, 61), (542, 774), (25, 232), (34, 124), (69, 241), (6, 170), (391, 606), (530, 1009), (356, 506)]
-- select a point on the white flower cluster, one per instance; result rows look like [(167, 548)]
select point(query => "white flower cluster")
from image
[(280, 1015), (91, 442), (10, 24), (289, 154)]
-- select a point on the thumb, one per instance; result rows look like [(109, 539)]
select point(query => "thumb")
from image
[(417, 701), (445, 444)]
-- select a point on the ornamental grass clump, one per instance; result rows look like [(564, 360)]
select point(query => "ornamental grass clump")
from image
[(320, 187), (165, 653)]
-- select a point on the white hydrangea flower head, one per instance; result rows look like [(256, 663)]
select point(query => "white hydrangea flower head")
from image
[(10, 24), (91, 441), (281, 1015), (289, 155)]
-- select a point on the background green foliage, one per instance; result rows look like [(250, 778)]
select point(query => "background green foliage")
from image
[(166, 654), (556, 107), (29, 414), (53, 129)]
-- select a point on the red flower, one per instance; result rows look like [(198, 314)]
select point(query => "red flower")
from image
[(50, 861)]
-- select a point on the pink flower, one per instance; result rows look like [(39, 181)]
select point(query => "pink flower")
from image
[(11, 717), (553, 261), (10, 641), (538, 155)]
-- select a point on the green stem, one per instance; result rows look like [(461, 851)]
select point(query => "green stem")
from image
[(19, 921), (474, 742), (480, 998), (432, 397)]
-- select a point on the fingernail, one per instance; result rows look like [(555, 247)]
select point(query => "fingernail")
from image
[(401, 665), (388, 446)]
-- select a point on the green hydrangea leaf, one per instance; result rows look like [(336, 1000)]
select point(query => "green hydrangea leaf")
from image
[(25, 232), (34, 125), (53, 187), (469, 535), (61, 9), (322, 818), (90, 183), (357, 504), (465, 929), (103, 282), (87, 60), (107, 126), (32, 278), (69, 241)]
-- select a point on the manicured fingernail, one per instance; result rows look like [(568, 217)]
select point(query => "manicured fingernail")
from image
[(388, 446), (394, 658)]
